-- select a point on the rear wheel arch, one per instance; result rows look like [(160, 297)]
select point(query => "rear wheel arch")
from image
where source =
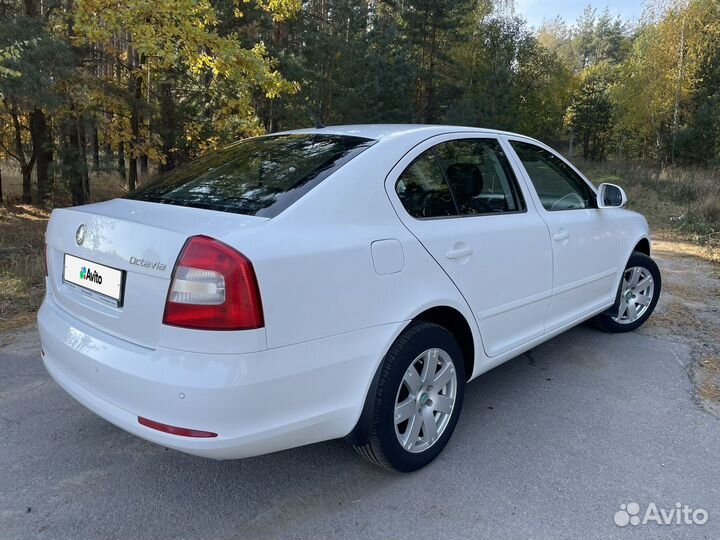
[(454, 322), (384, 444)]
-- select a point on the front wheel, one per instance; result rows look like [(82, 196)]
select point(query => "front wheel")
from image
[(637, 296), (418, 399)]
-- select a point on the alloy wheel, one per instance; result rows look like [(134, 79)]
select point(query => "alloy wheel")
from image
[(636, 295), (425, 400)]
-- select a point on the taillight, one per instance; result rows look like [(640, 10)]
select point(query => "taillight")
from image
[(213, 288)]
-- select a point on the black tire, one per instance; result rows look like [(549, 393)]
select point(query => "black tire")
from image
[(382, 446), (605, 320)]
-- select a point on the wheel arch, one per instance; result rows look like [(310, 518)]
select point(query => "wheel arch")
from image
[(643, 246), (455, 322)]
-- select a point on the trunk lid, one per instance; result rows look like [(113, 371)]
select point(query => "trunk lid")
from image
[(140, 239)]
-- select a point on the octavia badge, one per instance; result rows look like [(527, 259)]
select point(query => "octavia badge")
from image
[(80, 235)]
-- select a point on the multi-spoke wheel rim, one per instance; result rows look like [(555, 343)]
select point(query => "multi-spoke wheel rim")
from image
[(425, 400), (636, 295)]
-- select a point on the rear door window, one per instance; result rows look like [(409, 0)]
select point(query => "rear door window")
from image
[(480, 176), (259, 177), (423, 191)]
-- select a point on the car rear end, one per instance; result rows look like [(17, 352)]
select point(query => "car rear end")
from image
[(156, 324)]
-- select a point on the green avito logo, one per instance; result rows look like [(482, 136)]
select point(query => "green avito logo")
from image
[(90, 275)]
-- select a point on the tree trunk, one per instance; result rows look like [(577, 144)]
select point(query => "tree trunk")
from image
[(121, 160), (132, 170), (132, 173), (25, 165), (586, 145), (166, 127), (71, 159), (678, 90), (26, 184), (108, 150), (32, 8), (42, 145), (95, 147), (430, 103), (121, 144), (1, 191), (40, 136), (135, 87), (84, 170), (107, 146)]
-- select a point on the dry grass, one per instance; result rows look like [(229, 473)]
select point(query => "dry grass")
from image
[(22, 240), (103, 186), (682, 204), (708, 385), (674, 244)]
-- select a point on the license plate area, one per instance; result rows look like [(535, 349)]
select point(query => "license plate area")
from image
[(107, 282)]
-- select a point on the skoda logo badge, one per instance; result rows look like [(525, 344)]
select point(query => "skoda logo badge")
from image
[(80, 235)]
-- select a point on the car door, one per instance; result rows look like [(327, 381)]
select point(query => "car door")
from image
[(585, 240), (461, 200)]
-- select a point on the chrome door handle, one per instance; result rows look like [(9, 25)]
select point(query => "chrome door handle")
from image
[(561, 235), (459, 253)]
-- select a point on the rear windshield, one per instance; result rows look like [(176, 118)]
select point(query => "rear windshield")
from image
[(259, 177)]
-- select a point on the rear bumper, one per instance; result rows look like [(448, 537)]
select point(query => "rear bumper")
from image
[(257, 402)]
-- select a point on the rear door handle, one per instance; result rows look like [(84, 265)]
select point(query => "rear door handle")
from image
[(561, 235), (459, 253)]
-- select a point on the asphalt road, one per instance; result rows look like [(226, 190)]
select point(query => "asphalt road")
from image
[(549, 446)]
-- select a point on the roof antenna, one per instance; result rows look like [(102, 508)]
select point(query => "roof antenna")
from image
[(314, 117)]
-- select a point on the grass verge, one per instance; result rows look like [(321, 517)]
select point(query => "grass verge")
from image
[(708, 385), (22, 265), (681, 204)]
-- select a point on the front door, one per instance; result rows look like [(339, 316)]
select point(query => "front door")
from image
[(585, 240)]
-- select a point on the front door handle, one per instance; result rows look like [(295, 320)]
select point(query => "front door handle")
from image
[(459, 253), (561, 235)]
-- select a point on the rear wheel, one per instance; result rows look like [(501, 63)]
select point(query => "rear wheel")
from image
[(418, 399), (638, 295)]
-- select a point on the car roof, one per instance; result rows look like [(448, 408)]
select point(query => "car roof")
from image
[(391, 131)]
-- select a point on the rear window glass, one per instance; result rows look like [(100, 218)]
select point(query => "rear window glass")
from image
[(259, 177)]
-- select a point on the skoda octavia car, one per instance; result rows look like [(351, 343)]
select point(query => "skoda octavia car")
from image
[(334, 282)]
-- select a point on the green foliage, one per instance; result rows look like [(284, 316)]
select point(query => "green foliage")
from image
[(13, 53), (152, 83), (667, 95), (506, 79), (178, 45), (591, 110)]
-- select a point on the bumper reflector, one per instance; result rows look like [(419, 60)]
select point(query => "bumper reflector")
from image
[(174, 430)]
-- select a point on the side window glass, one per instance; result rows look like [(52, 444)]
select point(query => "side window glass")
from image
[(423, 191), (557, 185), (480, 176)]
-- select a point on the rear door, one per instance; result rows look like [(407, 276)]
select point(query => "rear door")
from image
[(460, 198), (585, 239)]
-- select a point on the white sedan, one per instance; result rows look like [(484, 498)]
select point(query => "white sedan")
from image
[(335, 282)]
